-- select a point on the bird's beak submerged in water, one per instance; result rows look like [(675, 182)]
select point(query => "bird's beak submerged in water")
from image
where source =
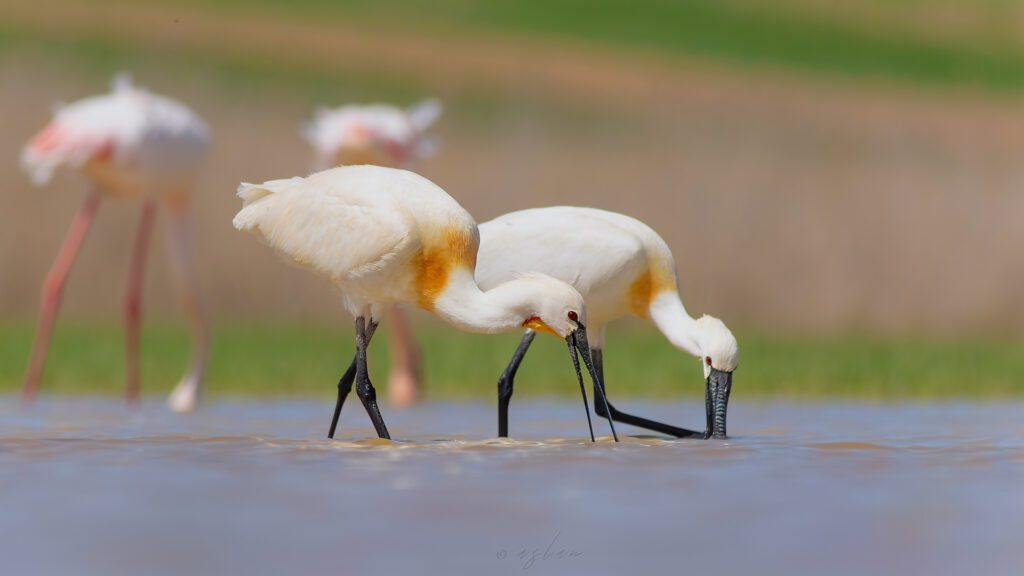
[(577, 341), (716, 402)]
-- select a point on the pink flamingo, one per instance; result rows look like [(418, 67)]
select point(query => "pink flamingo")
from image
[(130, 143)]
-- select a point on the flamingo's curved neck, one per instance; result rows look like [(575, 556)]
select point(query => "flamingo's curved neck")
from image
[(670, 316)]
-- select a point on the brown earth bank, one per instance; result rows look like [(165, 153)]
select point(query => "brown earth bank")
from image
[(791, 204)]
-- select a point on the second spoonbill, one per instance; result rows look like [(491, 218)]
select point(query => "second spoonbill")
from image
[(621, 267)]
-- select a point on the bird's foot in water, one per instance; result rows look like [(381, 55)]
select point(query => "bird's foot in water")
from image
[(403, 389), (185, 396)]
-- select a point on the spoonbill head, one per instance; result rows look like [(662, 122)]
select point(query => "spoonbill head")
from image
[(385, 236), (721, 357)]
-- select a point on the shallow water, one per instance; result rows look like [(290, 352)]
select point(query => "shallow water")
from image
[(87, 487)]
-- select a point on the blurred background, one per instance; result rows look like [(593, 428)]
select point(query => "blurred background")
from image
[(840, 182)]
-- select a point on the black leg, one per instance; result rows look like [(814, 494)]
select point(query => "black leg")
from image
[(345, 384), (344, 387), (364, 388), (598, 358), (506, 380)]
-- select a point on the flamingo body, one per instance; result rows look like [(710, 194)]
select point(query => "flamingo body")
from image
[(378, 134), (131, 142)]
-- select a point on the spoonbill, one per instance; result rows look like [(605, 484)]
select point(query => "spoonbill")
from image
[(383, 135), (134, 144), (385, 236), (621, 267)]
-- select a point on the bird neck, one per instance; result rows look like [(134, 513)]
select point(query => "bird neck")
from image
[(464, 305), (670, 316)]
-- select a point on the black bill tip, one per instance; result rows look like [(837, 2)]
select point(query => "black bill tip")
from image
[(571, 341), (579, 336), (716, 401)]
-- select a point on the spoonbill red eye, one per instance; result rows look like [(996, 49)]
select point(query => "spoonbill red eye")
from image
[(707, 360), (573, 316)]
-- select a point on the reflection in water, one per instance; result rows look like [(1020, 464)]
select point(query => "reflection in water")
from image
[(87, 487)]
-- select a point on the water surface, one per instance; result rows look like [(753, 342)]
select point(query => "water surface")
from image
[(88, 487)]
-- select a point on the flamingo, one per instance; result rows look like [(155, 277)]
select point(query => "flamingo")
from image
[(130, 143), (621, 267), (372, 134), (385, 236), (383, 135)]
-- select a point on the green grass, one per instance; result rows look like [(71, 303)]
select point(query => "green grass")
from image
[(261, 360), (777, 34), (988, 54)]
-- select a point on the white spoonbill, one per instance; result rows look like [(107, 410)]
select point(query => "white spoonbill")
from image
[(130, 143), (621, 267), (383, 135), (385, 236)]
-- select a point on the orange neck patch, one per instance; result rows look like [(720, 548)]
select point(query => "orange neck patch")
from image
[(643, 290), (434, 264), (640, 294)]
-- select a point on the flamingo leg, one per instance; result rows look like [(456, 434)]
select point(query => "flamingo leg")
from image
[(507, 380), (53, 289), (364, 388), (133, 301), (345, 383), (598, 357), (404, 383), (185, 396)]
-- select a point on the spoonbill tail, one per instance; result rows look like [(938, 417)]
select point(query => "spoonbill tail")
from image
[(134, 144), (383, 135), (621, 267), (385, 236)]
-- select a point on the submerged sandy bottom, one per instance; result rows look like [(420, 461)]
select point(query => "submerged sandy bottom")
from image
[(87, 487)]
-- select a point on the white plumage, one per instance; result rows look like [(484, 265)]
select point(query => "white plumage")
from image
[(135, 144), (378, 134), (386, 236), (352, 226), (620, 265)]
